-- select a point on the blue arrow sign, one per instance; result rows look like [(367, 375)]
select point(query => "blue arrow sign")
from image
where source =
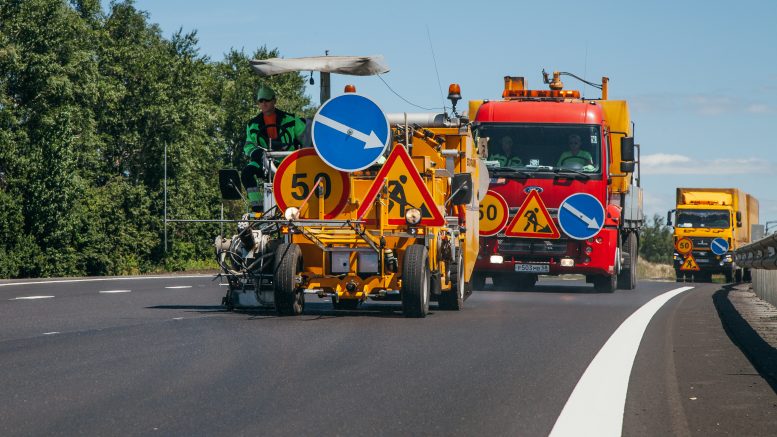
[(581, 216), (350, 132), (719, 246)]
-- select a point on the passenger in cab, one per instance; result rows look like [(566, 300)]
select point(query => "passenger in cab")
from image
[(507, 158)]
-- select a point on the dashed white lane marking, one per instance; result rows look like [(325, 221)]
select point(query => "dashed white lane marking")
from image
[(31, 297), (51, 333), (114, 291), (177, 318), (596, 405), (123, 278), (180, 286)]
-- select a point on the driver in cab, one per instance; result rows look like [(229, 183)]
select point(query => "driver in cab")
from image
[(507, 158), (575, 157)]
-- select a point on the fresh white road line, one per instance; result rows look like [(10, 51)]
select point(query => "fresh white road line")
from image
[(177, 318), (31, 297), (595, 407), (123, 278), (114, 291), (179, 286), (51, 333)]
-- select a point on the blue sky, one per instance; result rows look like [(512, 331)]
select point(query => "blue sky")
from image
[(700, 76)]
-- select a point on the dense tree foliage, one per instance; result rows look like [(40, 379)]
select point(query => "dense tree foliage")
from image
[(89, 99), (656, 243)]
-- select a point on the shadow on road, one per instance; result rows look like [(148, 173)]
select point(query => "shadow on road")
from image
[(318, 311), (760, 353)]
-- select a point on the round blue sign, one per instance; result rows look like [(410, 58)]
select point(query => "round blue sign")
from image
[(350, 132), (581, 216), (719, 246)]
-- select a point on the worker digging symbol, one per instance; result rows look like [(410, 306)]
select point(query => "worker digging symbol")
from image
[(397, 196), (531, 220)]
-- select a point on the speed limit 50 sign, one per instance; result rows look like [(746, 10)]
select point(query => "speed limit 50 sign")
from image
[(296, 177)]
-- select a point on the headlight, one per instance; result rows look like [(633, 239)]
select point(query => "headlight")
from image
[(291, 213), (413, 216), (496, 259)]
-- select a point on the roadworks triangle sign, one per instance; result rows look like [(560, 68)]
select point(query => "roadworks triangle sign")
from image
[(690, 264), (406, 189), (532, 220)]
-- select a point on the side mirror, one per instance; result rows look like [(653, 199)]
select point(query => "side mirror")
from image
[(229, 184), (627, 167), (739, 219), (461, 189), (627, 149), (669, 218)]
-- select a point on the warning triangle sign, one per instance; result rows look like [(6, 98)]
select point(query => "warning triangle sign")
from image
[(532, 220), (406, 189), (690, 264)]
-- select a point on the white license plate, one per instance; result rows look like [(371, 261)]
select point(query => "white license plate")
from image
[(532, 268)]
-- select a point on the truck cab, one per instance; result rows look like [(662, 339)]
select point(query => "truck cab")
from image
[(556, 144)]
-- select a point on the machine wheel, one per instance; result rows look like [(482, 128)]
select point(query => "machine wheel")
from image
[(345, 304), (289, 299), (627, 279), (606, 283), (478, 281), (416, 279), (738, 275), (454, 299)]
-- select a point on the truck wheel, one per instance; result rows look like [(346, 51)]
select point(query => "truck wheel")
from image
[(345, 304), (453, 300), (416, 279), (728, 274), (289, 299), (606, 283), (627, 279), (478, 281), (738, 275)]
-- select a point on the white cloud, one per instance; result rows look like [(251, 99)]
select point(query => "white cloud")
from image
[(669, 164)]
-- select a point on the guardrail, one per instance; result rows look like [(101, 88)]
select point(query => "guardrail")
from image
[(761, 254)]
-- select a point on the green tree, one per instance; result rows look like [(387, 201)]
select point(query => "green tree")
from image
[(656, 243)]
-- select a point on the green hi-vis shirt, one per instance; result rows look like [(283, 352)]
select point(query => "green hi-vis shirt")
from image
[(582, 157), (289, 132), (504, 161)]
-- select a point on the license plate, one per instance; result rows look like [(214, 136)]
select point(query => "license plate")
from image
[(532, 268)]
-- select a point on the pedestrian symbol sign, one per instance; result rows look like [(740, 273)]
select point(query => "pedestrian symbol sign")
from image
[(719, 246), (350, 132), (690, 264), (532, 220), (406, 190)]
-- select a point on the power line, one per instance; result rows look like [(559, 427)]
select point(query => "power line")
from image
[(406, 101)]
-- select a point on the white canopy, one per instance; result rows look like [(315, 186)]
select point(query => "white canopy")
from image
[(353, 65)]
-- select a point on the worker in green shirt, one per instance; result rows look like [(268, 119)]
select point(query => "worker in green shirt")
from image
[(272, 130), (574, 156), (507, 158)]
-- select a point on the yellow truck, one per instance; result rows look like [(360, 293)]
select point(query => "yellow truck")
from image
[(710, 224)]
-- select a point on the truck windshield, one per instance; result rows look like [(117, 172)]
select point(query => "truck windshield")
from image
[(542, 146), (703, 219)]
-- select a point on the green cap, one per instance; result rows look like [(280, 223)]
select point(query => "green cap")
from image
[(265, 93)]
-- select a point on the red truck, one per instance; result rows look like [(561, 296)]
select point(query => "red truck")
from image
[(566, 170)]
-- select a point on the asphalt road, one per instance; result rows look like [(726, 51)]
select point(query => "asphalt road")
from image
[(137, 357)]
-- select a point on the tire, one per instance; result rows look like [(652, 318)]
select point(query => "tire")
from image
[(345, 304), (289, 299), (416, 282), (606, 283), (453, 300), (728, 274), (738, 275), (680, 276), (478, 281), (627, 279)]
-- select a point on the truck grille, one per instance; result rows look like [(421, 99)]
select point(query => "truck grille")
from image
[(533, 247), (701, 243)]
